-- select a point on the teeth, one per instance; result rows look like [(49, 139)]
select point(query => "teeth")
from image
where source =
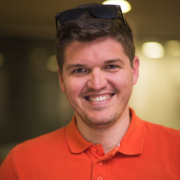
[(101, 98)]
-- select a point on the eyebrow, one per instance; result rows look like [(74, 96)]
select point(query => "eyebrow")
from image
[(115, 60), (75, 66)]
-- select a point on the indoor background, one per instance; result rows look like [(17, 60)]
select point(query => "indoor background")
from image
[(31, 102)]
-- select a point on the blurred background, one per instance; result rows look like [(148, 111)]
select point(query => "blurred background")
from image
[(31, 102)]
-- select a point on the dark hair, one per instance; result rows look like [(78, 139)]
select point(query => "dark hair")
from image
[(88, 28)]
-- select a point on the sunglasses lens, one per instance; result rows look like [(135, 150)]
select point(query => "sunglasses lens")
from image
[(70, 15), (104, 11)]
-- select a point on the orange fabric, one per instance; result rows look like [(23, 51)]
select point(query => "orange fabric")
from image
[(146, 152)]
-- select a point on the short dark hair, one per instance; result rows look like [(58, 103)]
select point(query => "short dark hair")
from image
[(88, 28)]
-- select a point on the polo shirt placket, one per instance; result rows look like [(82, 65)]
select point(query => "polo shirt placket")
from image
[(100, 160)]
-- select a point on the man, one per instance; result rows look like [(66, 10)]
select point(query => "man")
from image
[(105, 139)]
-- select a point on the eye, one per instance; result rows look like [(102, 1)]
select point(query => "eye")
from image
[(80, 70), (111, 66)]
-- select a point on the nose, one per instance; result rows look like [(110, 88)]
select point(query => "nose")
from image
[(96, 80)]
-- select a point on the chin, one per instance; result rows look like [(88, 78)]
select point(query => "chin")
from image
[(100, 121)]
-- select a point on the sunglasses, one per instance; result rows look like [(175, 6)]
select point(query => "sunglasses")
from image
[(100, 11)]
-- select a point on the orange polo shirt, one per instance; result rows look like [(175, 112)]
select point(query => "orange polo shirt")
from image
[(146, 152)]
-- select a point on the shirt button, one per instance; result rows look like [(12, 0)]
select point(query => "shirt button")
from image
[(99, 178), (100, 163), (93, 151)]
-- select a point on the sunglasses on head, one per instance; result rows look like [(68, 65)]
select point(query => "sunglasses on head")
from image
[(100, 11)]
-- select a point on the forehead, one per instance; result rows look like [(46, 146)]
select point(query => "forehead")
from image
[(101, 49)]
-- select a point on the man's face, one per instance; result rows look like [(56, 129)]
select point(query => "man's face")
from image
[(97, 79)]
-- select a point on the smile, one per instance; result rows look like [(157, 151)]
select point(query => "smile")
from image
[(98, 98)]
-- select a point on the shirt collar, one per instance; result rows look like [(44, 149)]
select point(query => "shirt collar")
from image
[(76, 142), (133, 140), (131, 143)]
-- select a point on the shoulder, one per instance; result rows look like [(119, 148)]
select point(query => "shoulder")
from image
[(162, 137), (160, 130), (41, 145), (35, 154)]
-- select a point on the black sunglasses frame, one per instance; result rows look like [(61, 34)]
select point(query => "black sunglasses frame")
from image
[(90, 9)]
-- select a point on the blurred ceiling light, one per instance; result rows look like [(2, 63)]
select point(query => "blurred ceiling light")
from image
[(51, 63), (125, 6), (1, 59), (173, 48), (38, 55), (153, 49)]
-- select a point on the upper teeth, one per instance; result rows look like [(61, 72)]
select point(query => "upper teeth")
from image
[(101, 98)]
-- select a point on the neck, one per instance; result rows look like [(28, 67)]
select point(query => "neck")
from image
[(108, 138)]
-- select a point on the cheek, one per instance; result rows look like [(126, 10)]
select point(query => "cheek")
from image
[(74, 87), (122, 81)]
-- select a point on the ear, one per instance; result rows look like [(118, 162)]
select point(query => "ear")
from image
[(61, 81), (135, 69)]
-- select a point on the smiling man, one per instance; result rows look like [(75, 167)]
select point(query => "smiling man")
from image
[(105, 139)]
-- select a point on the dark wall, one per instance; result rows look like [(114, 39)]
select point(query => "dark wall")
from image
[(31, 102)]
